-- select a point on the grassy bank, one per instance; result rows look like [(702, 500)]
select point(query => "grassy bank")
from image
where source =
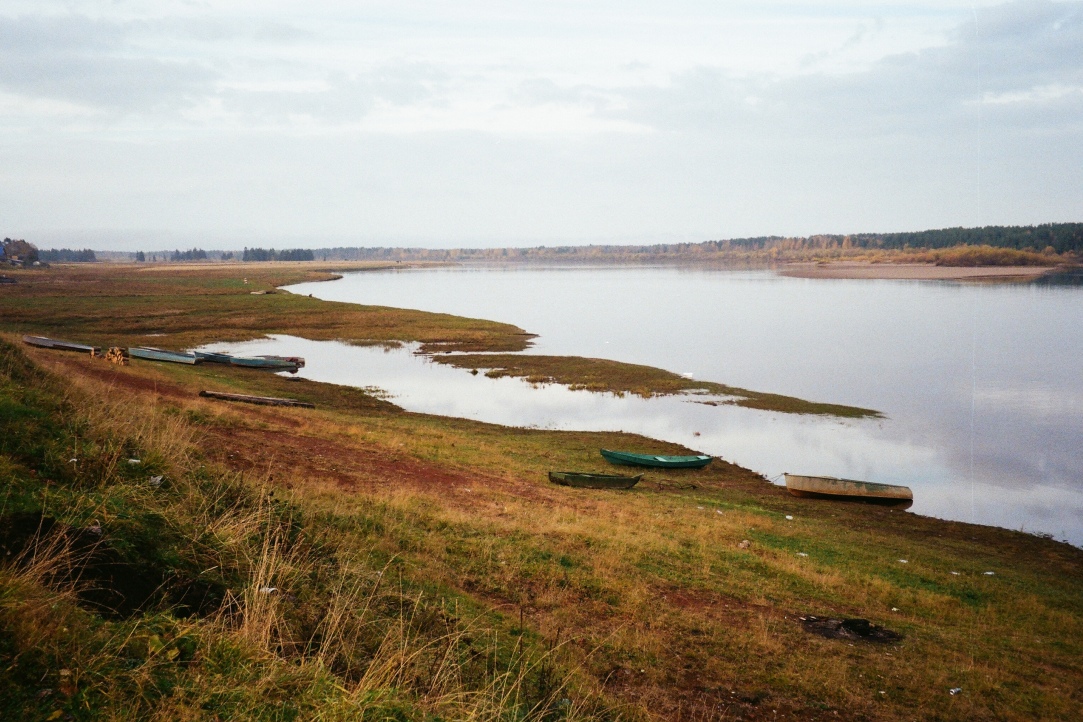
[(184, 306), (591, 374), (423, 568)]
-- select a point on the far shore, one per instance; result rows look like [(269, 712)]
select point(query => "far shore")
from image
[(909, 271)]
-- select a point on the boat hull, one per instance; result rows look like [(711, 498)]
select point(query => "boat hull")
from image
[(829, 487), (627, 458), (43, 342), (159, 354), (213, 357), (593, 481), (270, 364)]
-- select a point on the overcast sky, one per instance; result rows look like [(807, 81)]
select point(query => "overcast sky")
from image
[(154, 124)]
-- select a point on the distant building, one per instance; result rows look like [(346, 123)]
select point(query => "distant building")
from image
[(18, 252)]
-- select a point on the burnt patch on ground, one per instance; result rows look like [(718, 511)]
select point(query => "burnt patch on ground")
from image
[(849, 629)]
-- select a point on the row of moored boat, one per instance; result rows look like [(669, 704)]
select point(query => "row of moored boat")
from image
[(149, 353)]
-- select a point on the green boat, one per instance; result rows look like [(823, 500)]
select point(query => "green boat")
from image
[(160, 354), (627, 458), (271, 363), (593, 481)]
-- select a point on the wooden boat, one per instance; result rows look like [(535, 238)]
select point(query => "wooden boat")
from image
[(160, 354), (829, 487), (627, 458), (43, 342), (261, 400), (272, 363), (214, 357), (593, 481)]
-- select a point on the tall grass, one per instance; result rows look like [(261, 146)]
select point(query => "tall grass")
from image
[(306, 626)]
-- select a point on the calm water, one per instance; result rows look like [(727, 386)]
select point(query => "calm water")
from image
[(982, 385)]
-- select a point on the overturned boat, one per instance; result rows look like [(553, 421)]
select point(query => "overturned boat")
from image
[(830, 487), (150, 353), (43, 342)]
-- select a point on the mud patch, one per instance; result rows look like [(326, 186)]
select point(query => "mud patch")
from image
[(852, 629)]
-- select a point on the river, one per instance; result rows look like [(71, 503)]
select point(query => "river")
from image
[(981, 384)]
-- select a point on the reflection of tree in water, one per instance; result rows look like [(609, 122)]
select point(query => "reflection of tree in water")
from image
[(1065, 277)]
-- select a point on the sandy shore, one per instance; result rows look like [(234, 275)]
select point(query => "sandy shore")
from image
[(918, 271)]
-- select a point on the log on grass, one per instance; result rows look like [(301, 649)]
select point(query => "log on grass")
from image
[(261, 400)]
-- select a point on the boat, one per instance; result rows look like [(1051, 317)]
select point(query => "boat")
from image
[(160, 354), (214, 357), (43, 342), (296, 360), (627, 458), (582, 480), (272, 363), (829, 487)]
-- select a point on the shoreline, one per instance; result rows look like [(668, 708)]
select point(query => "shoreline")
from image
[(910, 271)]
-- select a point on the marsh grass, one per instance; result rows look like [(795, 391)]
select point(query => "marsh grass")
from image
[(604, 375)]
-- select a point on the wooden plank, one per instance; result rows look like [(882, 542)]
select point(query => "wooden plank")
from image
[(261, 400)]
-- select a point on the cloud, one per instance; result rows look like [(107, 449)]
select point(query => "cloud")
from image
[(93, 63), (1021, 63)]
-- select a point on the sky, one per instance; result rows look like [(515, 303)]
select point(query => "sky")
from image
[(137, 124)]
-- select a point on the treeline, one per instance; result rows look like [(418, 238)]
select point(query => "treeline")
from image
[(1057, 237), (67, 255), (270, 254), (194, 254)]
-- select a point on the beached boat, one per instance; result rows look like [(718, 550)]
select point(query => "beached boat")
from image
[(627, 458), (829, 487), (214, 357), (160, 354), (271, 363), (593, 481), (43, 342)]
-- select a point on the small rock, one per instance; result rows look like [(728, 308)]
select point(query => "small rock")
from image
[(745, 544), (802, 554), (155, 481), (789, 517)]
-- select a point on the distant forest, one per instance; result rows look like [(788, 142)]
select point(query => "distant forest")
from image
[(1059, 238), (1050, 239), (67, 255), (270, 254)]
